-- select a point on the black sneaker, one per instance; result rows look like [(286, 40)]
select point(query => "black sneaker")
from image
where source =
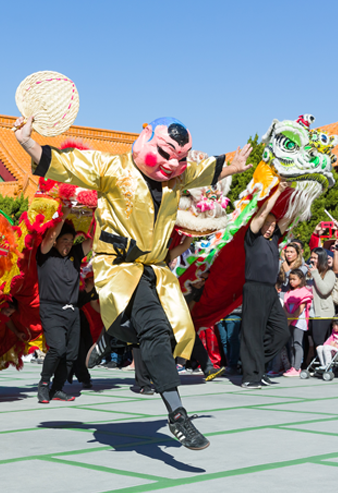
[(43, 392), (182, 428), (147, 391), (213, 373), (111, 365), (98, 351), (251, 385), (60, 395), (265, 380)]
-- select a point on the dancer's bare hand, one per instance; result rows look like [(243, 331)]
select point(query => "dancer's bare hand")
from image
[(283, 185), (65, 211), (239, 161), (23, 133)]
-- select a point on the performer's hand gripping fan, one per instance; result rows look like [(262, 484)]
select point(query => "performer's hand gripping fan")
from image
[(51, 98)]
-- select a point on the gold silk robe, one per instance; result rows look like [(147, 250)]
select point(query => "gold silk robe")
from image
[(125, 209)]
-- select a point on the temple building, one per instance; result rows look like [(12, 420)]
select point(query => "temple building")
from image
[(15, 174), (15, 166)]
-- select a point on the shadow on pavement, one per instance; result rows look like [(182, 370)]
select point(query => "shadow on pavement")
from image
[(100, 384), (192, 380), (11, 394), (140, 437)]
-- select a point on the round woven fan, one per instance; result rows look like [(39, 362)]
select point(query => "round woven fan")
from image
[(51, 98)]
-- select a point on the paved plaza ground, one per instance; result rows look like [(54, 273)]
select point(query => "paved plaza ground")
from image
[(279, 439)]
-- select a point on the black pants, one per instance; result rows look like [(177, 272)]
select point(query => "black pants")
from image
[(141, 373), (154, 333), (199, 356), (62, 332), (264, 329), (86, 341), (320, 331)]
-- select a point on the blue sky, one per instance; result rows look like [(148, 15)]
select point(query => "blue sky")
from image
[(225, 69)]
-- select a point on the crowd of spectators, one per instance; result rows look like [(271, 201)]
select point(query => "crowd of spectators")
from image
[(307, 290)]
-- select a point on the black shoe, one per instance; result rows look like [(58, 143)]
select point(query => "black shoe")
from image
[(213, 373), (60, 395), (182, 428), (266, 381), (43, 392), (111, 365), (251, 385), (147, 391), (98, 351)]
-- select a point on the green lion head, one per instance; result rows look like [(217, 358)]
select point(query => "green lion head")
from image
[(298, 154)]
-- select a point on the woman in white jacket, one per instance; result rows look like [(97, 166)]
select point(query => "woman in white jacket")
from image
[(323, 282)]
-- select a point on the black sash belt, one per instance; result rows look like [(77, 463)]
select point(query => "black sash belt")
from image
[(120, 246)]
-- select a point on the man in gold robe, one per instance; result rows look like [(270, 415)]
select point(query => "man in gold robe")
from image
[(138, 196)]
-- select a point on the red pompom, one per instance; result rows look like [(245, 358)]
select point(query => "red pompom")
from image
[(88, 198), (66, 191), (46, 185), (17, 230)]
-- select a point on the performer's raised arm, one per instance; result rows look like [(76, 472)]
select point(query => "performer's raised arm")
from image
[(52, 233), (264, 211), (212, 169), (87, 169), (23, 136), (238, 164)]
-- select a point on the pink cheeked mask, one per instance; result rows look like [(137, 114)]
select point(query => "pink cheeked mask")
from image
[(160, 151)]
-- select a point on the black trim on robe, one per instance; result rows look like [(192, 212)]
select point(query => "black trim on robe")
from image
[(155, 189), (220, 160), (44, 163)]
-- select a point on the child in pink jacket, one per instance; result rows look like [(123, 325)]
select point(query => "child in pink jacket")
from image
[(297, 302)]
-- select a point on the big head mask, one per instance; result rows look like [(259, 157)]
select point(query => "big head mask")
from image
[(160, 152)]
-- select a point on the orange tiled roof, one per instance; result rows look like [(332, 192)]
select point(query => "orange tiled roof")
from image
[(17, 160)]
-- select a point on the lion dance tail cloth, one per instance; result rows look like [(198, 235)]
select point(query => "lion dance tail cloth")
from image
[(18, 247)]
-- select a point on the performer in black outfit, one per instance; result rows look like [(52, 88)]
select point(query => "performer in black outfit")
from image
[(264, 324), (58, 263)]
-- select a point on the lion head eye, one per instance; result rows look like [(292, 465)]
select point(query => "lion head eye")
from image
[(289, 145), (324, 139)]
